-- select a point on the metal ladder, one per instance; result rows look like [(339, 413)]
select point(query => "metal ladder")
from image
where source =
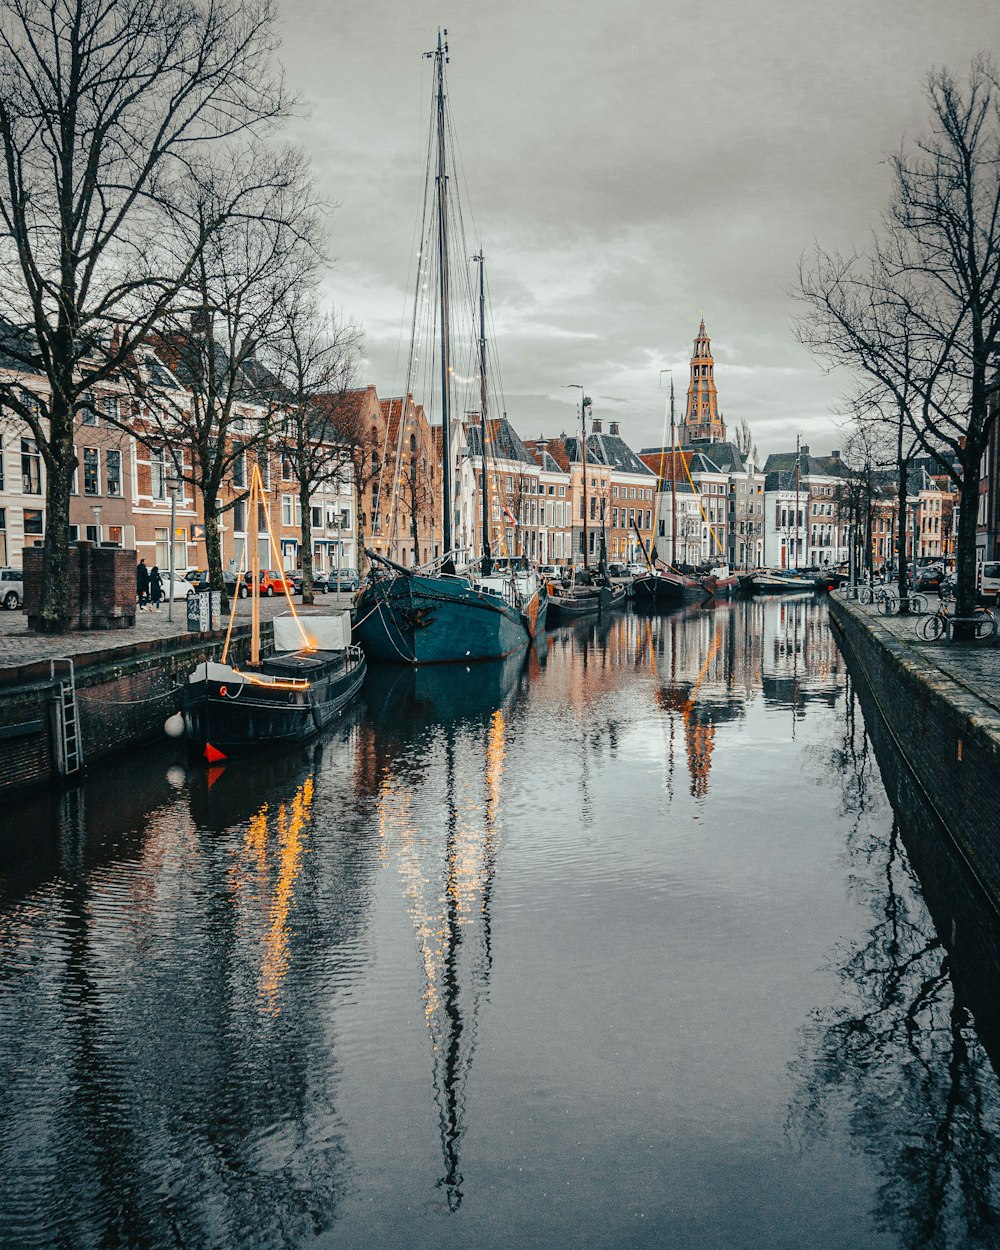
[(69, 748)]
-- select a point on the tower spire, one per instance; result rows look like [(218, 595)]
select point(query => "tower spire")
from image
[(702, 421)]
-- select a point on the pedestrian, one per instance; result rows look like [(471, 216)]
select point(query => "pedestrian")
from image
[(142, 585), (155, 587)]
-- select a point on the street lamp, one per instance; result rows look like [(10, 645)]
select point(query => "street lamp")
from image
[(173, 483), (97, 523)]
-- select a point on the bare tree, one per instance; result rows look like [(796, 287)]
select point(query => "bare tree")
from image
[(744, 441), (103, 104), (228, 321), (920, 314), (317, 366)]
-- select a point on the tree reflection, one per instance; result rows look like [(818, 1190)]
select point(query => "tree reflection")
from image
[(897, 1055)]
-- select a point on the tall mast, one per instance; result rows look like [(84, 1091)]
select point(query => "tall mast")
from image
[(798, 482), (254, 529), (487, 560), (440, 59), (583, 424), (673, 479)]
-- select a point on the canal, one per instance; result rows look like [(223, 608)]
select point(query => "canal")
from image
[(618, 945)]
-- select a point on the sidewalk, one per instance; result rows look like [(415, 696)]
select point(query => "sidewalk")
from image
[(18, 646), (975, 666)]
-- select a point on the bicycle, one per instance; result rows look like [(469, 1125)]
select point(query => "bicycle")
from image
[(868, 594), (888, 605), (932, 627)]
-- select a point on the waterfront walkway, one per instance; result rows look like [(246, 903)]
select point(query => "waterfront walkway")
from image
[(19, 646), (973, 666)]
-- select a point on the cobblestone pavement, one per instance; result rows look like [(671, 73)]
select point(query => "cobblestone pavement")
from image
[(19, 646), (973, 665)]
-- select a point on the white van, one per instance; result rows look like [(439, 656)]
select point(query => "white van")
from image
[(989, 581)]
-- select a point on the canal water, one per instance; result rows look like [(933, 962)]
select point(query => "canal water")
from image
[(620, 944)]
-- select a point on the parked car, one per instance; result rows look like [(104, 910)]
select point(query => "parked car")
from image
[(184, 580), (929, 578), (320, 583), (989, 581), (11, 587), (274, 582), (344, 579)]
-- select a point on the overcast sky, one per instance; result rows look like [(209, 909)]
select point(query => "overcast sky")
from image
[(628, 165)]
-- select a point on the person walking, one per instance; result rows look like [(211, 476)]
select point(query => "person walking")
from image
[(155, 587), (142, 585)]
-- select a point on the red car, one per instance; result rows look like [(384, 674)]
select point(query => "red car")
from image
[(271, 582)]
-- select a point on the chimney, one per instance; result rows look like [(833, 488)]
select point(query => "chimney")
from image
[(835, 455), (597, 426), (614, 428), (201, 322), (805, 449)]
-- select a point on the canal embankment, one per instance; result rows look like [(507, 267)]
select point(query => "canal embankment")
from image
[(940, 703), (70, 699)]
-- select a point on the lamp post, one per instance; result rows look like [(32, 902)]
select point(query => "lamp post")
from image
[(173, 482), (97, 523)]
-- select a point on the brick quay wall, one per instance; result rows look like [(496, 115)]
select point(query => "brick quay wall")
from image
[(940, 702), (124, 694)]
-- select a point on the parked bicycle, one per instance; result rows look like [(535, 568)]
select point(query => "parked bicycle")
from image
[(941, 622), (889, 604), (868, 594)]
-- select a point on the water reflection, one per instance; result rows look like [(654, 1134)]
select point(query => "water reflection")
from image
[(447, 863), (908, 1053), (520, 955)]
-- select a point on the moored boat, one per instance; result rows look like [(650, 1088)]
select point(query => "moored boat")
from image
[(438, 613), (662, 588), (778, 582), (287, 697), (721, 583), (407, 616)]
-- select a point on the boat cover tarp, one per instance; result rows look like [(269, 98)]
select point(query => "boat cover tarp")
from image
[(331, 632)]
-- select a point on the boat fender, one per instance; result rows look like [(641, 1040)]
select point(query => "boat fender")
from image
[(223, 690), (173, 726)]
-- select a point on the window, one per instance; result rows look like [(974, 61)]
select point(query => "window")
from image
[(240, 470), (317, 518), (116, 536), (91, 471), (264, 460), (614, 518), (74, 533), (287, 504), (113, 465), (110, 406), (3, 535), (91, 531), (1, 467), (33, 521), (240, 516), (162, 547), (562, 491), (88, 413), (31, 468), (286, 467), (158, 473)]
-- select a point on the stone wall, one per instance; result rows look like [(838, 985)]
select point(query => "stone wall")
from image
[(949, 737), (124, 694), (100, 584)]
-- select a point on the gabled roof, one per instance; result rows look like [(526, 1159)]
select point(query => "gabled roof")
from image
[(809, 466), (504, 441), (612, 450)]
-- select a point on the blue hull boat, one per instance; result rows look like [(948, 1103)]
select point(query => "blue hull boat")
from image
[(417, 618)]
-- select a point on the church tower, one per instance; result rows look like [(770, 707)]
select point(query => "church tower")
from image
[(702, 422)]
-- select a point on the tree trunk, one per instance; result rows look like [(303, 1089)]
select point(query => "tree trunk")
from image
[(213, 541), (60, 463), (902, 584), (305, 528), (359, 528), (965, 568)]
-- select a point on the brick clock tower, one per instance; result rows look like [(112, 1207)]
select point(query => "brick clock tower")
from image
[(702, 422)]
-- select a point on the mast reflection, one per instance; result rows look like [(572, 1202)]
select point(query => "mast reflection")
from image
[(448, 877)]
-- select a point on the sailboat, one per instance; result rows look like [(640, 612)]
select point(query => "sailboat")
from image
[(312, 675), (439, 614)]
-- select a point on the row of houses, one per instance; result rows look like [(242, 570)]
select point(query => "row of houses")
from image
[(558, 500)]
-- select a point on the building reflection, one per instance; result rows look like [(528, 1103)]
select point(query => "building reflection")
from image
[(169, 1079), (912, 1042)]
